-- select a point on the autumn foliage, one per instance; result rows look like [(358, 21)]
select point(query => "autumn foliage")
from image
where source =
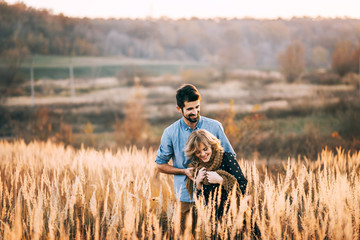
[(346, 57)]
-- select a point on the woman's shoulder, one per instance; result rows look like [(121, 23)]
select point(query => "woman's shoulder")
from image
[(228, 155), (228, 158)]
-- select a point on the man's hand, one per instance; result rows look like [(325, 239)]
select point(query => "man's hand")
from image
[(214, 177), (187, 172), (200, 177)]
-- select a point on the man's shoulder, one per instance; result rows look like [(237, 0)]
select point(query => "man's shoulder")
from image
[(210, 121), (173, 127)]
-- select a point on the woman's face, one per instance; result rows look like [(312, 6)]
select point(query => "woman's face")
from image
[(204, 152)]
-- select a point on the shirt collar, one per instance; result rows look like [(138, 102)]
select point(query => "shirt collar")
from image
[(187, 128)]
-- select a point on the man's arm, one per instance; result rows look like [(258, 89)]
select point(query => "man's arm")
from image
[(168, 169), (224, 140)]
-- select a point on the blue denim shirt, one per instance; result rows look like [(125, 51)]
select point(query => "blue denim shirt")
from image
[(173, 143)]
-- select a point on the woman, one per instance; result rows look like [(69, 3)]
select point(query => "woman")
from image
[(214, 169)]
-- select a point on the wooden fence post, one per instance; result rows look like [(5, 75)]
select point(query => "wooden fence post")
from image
[(71, 73), (32, 81)]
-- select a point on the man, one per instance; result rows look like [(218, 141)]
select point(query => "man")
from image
[(175, 137)]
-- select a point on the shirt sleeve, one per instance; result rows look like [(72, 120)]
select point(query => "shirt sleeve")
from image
[(233, 167), (166, 150), (224, 141)]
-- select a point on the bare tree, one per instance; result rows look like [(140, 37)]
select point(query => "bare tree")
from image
[(10, 75), (134, 128), (356, 58), (342, 58), (291, 62)]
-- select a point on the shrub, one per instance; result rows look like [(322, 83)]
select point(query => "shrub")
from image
[(351, 79), (349, 121), (328, 78), (345, 57), (291, 61), (134, 128), (243, 134)]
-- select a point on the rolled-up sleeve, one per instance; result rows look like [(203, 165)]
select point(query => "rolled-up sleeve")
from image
[(166, 150)]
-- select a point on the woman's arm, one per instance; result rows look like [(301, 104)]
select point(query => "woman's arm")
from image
[(234, 169)]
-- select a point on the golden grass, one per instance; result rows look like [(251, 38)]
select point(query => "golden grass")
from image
[(48, 191)]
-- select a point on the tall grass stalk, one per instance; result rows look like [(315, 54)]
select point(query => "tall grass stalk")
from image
[(49, 191)]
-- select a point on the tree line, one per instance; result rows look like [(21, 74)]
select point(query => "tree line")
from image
[(247, 43)]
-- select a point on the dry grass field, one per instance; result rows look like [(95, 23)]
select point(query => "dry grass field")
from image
[(49, 191)]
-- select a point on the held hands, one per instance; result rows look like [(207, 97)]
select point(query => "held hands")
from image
[(200, 177), (214, 177)]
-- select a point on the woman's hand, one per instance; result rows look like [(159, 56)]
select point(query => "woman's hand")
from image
[(200, 177), (214, 177)]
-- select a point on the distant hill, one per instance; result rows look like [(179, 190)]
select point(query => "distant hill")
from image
[(246, 43)]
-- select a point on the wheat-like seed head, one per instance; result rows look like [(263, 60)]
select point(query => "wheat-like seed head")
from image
[(49, 191)]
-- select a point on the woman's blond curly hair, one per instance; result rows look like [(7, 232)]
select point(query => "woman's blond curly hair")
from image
[(201, 136)]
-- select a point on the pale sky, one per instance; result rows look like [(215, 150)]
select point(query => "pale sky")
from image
[(199, 8)]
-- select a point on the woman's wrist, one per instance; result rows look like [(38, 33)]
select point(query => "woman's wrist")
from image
[(221, 181)]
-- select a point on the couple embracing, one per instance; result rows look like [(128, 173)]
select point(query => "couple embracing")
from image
[(203, 160)]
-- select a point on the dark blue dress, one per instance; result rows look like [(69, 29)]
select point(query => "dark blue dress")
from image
[(230, 165)]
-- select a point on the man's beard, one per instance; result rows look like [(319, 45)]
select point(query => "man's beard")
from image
[(191, 119)]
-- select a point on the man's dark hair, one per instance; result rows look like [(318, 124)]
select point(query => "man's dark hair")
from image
[(186, 93)]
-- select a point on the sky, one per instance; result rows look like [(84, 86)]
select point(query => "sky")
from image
[(199, 8)]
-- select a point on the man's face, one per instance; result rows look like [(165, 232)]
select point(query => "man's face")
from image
[(191, 111)]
